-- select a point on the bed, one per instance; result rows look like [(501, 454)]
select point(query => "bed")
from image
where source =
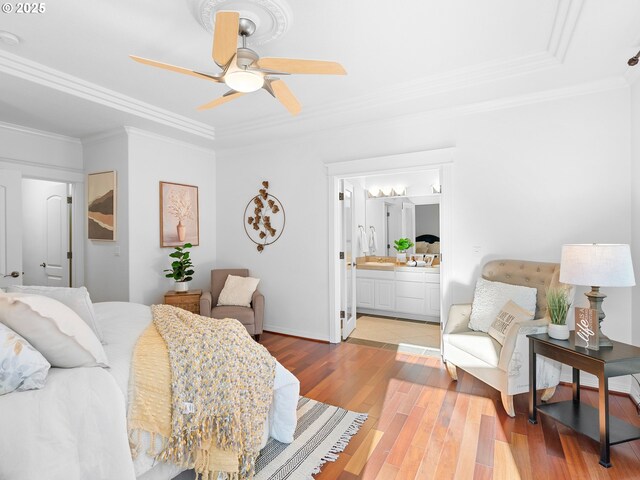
[(75, 427)]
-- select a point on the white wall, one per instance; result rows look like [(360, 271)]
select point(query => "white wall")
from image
[(107, 263), (294, 270), (35, 147), (428, 219), (526, 180), (42, 155), (635, 206), (152, 159)]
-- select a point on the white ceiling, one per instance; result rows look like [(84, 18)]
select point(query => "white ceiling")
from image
[(71, 73)]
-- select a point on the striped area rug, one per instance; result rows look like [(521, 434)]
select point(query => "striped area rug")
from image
[(323, 432)]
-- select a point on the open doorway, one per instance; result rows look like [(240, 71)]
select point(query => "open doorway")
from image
[(47, 233), (397, 297)]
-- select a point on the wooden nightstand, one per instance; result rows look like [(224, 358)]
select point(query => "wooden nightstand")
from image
[(189, 300)]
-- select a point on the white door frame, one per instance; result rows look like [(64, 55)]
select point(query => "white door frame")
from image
[(441, 159), (66, 175)]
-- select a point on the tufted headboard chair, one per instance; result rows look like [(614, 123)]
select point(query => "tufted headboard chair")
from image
[(529, 274)]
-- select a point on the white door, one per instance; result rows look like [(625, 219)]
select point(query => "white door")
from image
[(409, 223), (10, 228), (46, 234), (348, 263)]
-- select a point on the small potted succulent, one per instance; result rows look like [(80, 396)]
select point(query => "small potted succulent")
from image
[(401, 246), (181, 268), (558, 305)]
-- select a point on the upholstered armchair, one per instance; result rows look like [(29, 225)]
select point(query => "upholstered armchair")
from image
[(251, 317), (505, 368)]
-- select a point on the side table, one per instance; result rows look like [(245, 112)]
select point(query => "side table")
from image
[(189, 300), (595, 423)]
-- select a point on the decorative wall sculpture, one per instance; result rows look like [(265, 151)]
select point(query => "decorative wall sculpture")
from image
[(264, 218)]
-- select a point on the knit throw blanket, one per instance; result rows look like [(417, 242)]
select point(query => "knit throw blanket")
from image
[(202, 388)]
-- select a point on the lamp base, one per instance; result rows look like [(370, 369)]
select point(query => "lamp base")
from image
[(595, 302)]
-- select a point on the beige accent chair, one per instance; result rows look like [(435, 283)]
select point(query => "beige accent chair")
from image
[(251, 317), (505, 368)]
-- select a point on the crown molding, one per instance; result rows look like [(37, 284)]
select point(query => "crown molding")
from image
[(40, 133), (608, 84), (563, 26), (104, 136), (163, 138), (405, 92), (35, 72)]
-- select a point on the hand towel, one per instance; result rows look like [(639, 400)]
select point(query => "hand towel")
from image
[(373, 241)]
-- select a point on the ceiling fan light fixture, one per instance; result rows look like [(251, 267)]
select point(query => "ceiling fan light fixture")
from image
[(244, 81)]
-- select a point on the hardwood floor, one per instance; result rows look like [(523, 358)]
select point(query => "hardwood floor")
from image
[(422, 425)]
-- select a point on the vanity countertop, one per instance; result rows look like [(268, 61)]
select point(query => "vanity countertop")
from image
[(389, 264)]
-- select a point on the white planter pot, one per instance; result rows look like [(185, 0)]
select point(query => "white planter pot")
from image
[(401, 258), (181, 286), (559, 332)]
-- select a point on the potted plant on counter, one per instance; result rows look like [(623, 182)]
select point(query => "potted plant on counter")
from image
[(558, 305), (401, 246), (181, 268)]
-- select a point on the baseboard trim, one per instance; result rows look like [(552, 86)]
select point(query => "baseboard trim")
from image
[(285, 334)]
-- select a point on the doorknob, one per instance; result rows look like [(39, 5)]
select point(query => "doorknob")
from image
[(13, 274), (43, 265)]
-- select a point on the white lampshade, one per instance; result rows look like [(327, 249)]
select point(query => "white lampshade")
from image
[(597, 265), (245, 81)]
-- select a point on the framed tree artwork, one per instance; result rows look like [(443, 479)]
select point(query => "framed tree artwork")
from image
[(179, 217), (101, 206)]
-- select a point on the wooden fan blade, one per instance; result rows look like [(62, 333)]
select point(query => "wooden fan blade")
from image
[(173, 68), (282, 93), (227, 97), (292, 65), (225, 37)]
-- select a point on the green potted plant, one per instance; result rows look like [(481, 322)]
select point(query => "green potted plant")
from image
[(181, 268), (558, 305), (401, 246)]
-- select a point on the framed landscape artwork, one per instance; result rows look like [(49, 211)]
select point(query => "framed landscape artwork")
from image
[(101, 209), (179, 222)]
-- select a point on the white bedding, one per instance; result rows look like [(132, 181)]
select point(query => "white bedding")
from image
[(75, 427)]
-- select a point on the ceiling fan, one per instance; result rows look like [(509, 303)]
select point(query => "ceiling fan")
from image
[(243, 71)]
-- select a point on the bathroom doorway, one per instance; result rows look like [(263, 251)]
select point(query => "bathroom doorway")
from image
[(398, 305)]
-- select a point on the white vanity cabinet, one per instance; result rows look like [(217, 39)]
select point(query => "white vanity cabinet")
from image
[(403, 292)]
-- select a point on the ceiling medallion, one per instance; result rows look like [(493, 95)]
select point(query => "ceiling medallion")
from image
[(272, 17)]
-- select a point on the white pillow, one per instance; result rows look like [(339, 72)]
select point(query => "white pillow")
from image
[(490, 297), (509, 317), (238, 291), (53, 329), (77, 299), (22, 367)]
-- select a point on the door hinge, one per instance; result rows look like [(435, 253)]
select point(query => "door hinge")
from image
[(341, 255), (69, 255), (340, 196), (342, 314), (69, 199), (388, 214)]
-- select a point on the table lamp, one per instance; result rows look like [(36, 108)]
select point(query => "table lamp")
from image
[(597, 265)]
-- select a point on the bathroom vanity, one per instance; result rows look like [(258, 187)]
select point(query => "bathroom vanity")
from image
[(389, 289)]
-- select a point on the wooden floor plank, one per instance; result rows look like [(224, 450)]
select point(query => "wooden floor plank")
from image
[(423, 425), (504, 465), (360, 458)]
